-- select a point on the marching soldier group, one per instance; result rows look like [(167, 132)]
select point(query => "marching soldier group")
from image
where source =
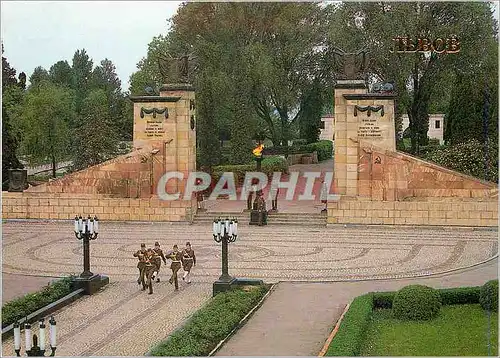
[(150, 262)]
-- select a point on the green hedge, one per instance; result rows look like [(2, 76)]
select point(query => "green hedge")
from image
[(449, 296), (468, 158), (488, 297), (324, 148), (349, 337), (210, 324), (21, 307), (416, 302), (268, 166)]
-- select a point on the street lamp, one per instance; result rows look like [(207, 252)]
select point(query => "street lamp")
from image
[(33, 350), (86, 229), (225, 231)]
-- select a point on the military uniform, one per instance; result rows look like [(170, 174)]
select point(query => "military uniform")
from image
[(149, 268), (176, 265), (260, 206), (188, 260), (141, 254), (159, 257)]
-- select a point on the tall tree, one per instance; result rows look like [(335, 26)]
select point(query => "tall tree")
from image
[(43, 121), (11, 95), (417, 75), (95, 138), (61, 74), (81, 76), (39, 76)]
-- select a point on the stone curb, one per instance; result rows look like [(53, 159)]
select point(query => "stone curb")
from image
[(400, 277), (412, 226), (110, 221), (45, 311), (333, 333), (242, 321)]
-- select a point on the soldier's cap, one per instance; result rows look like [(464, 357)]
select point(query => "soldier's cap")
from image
[(157, 243), (143, 245), (188, 243), (175, 246)]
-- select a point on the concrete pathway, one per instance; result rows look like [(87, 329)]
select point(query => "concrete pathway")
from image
[(297, 318), (15, 286)]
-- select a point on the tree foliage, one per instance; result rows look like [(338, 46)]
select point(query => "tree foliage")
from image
[(12, 93), (96, 140), (43, 121)]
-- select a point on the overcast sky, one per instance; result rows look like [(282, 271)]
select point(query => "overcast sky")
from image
[(40, 33)]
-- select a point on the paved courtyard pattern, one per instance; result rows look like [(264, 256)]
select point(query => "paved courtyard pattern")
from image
[(271, 253), (122, 320)]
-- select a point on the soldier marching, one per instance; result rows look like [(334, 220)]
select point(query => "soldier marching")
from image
[(150, 263)]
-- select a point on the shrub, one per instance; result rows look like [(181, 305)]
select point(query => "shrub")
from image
[(383, 299), (21, 307), (350, 336), (324, 149), (269, 166), (416, 302), (210, 324), (468, 158), (488, 297), (459, 295)]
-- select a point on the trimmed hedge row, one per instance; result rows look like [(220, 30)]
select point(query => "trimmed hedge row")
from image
[(347, 341), (350, 336), (268, 166), (324, 148), (210, 324), (21, 307)]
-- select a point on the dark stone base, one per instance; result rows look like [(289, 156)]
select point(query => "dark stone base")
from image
[(222, 286), (91, 284), (258, 218)]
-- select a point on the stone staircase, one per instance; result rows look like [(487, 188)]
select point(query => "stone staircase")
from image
[(279, 218)]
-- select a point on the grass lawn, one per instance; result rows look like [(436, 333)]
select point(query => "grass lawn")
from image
[(459, 330)]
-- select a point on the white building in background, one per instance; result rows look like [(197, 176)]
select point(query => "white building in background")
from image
[(327, 127), (436, 126)]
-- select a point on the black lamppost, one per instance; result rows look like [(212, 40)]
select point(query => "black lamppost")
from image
[(224, 231), (32, 349), (87, 230)]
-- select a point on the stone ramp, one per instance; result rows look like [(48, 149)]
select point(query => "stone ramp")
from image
[(122, 320), (297, 318)]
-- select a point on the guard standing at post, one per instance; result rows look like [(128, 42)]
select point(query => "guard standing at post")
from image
[(188, 261), (176, 256), (158, 258), (142, 261)]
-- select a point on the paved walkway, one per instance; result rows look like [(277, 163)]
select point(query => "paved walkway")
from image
[(297, 318), (122, 320)]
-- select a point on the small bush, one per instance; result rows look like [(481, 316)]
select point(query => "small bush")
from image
[(459, 295), (210, 324), (324, 148), (468, 158), (488, 297), (21, 307), (269, 166), (416, 302), (350, 336), (383, 299)]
